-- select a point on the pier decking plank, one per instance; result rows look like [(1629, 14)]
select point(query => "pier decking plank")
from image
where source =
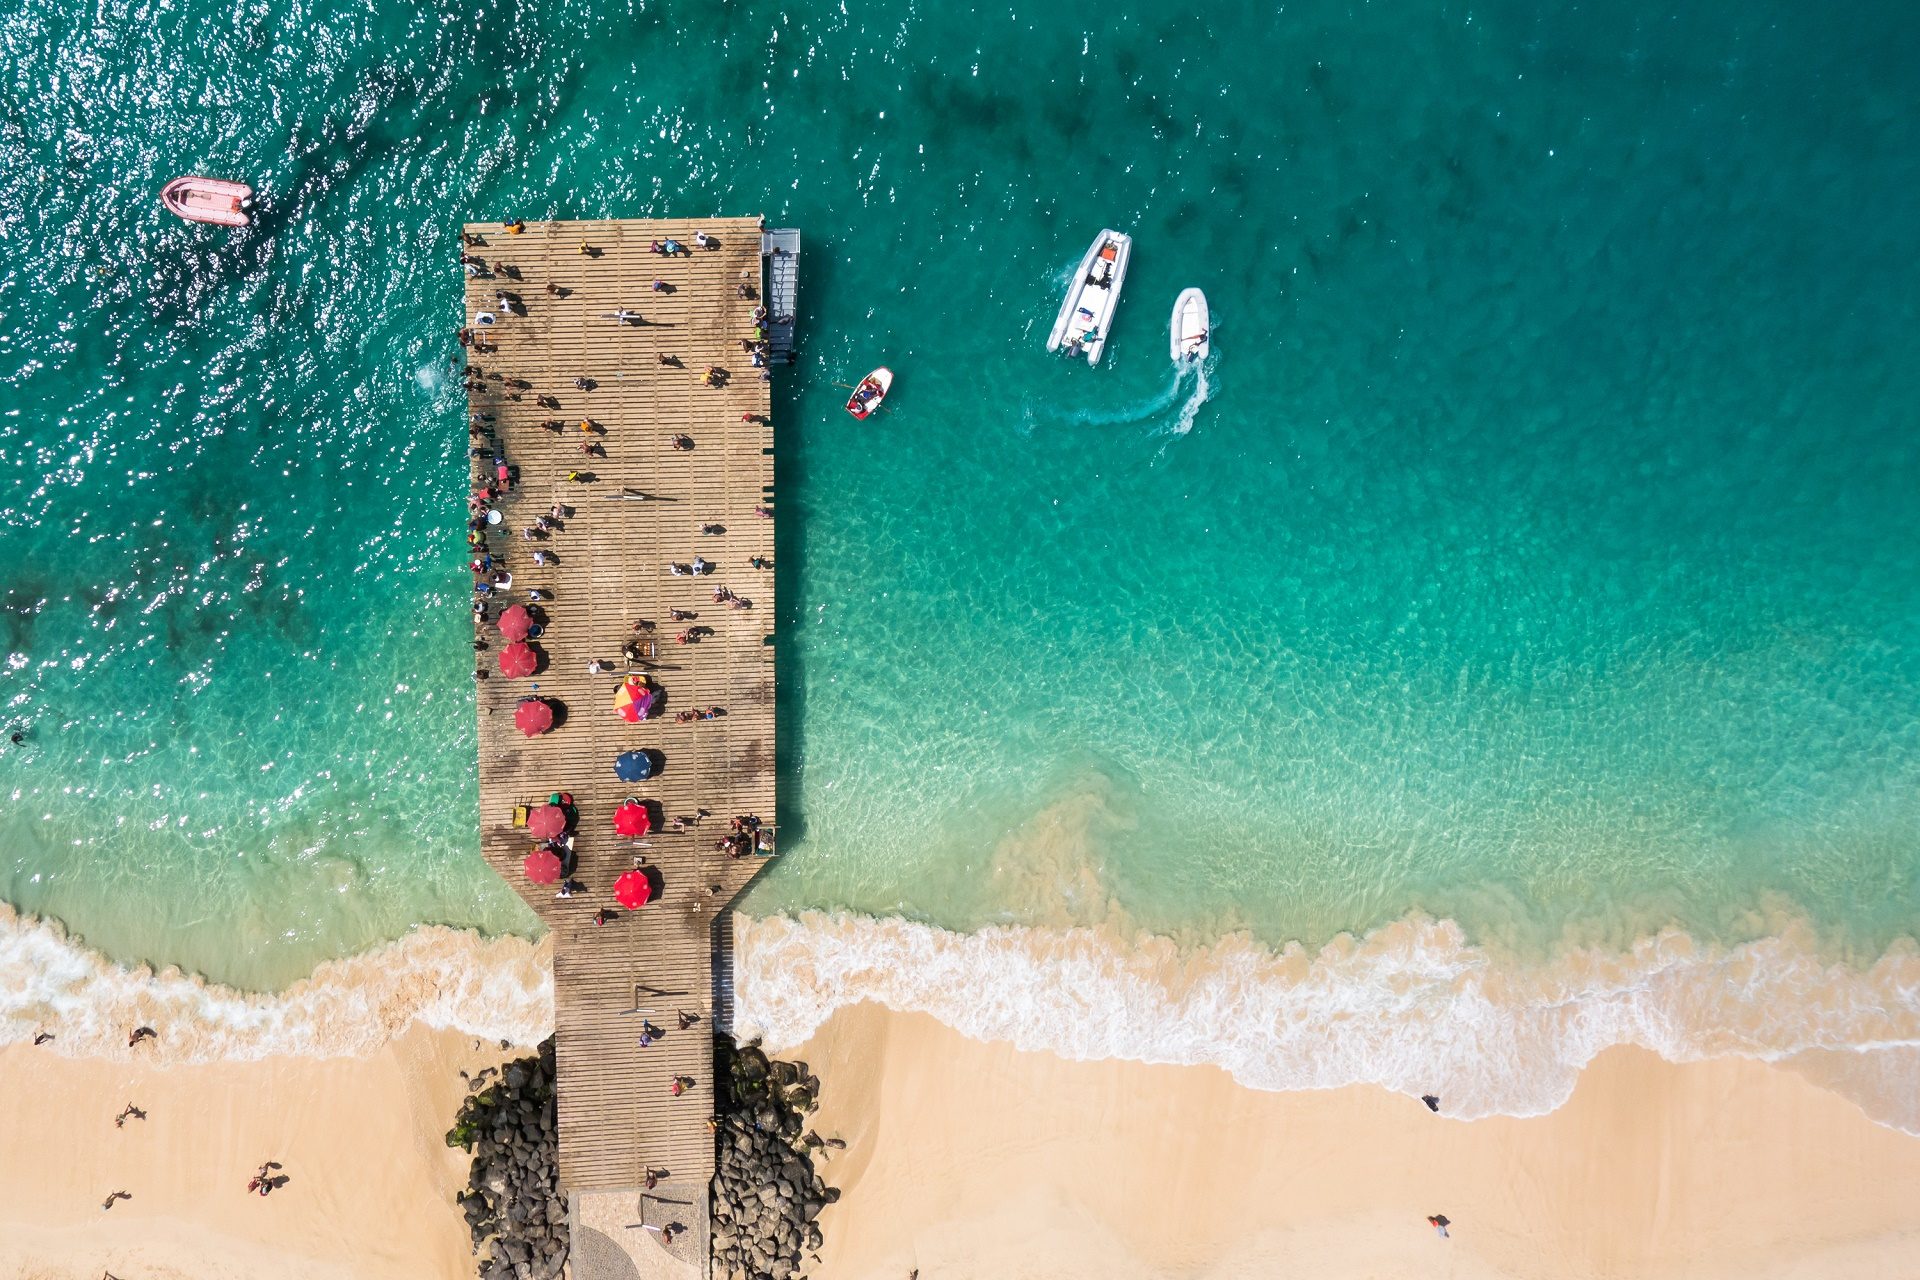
[(617, 1116)]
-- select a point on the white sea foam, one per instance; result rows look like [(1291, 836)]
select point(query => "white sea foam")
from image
[(1412, 1007), (444, 978)]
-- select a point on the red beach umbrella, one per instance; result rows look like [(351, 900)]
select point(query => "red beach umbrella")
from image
[(632, 890), (632, 819), (533, 716), (515, 622), (546, 822), (542, 866), (517, 660)]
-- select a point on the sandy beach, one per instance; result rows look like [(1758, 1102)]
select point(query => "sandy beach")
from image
[(370, 1184), (967, 1160), (973, 1160)]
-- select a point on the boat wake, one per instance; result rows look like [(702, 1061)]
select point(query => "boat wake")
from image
[(1151, 409), (1202, 392)]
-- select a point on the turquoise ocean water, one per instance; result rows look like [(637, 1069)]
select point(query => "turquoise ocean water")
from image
[(1537, 555)]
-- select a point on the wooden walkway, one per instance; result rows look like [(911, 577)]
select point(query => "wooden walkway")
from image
[(609, 570)]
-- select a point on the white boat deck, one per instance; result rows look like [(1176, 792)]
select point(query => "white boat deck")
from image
[(1093, 295)]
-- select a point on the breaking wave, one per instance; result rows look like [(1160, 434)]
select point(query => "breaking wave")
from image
[(497, 988), (1412, 1007)]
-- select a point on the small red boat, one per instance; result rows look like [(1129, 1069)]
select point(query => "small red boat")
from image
[(867, 397), (208, 200)]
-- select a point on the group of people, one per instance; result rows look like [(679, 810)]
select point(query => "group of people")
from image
[(745, 834)]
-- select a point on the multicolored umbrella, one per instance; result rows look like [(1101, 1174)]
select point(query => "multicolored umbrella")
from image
[(634, 699), (632, 819), (518, 660), (633, 766), (516, 622), (533, 716), (546, 822), (633, 890), (542, 866)]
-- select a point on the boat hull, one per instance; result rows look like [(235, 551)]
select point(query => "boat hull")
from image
[(880, 381), (1191, 329), (214, 200), (1086, 314)]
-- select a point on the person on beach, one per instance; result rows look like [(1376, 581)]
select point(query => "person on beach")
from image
[(646, 1037), (704, 240), (666, 359), (1439, 1222), (687, 1019), (1433, 1103), (681, 443), (680, 1085), (117, 1195), (129, 1112), (602, 916), (40, 1037), (142, 1033)]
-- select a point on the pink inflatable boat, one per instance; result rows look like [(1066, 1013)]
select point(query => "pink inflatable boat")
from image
[(208, 200)]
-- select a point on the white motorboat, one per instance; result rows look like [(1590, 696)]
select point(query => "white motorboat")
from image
[(872, 391), (1191, 327), (1087, 314)]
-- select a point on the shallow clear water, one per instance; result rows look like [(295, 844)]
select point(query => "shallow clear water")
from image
[(1540, 559)]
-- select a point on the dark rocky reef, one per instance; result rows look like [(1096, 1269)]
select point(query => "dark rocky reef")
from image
[(513, 1204), (766, 1194)]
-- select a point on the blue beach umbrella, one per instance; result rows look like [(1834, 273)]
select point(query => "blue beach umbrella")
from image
[(633, 766)]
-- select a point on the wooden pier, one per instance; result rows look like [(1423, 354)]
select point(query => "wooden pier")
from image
[(580, 333)]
